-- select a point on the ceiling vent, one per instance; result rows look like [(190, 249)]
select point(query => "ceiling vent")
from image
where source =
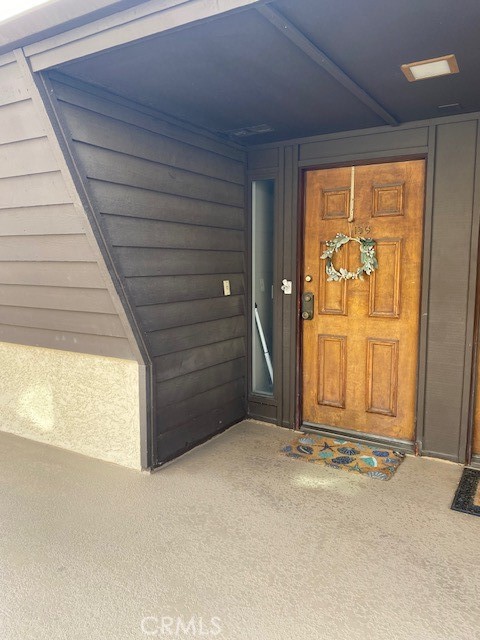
[(432, 68), (246, 132)]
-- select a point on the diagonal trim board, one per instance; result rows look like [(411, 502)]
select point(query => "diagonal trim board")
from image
[(295, 36)]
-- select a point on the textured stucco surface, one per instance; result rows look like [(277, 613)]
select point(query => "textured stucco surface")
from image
[(278, 549), (88, 404)]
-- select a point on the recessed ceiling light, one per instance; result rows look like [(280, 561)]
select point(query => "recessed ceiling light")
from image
[(443, 66)]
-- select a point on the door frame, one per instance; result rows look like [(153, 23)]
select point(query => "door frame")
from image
[(402, 445), (261, 406)]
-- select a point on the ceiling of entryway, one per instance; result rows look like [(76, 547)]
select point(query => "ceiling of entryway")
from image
[(240, 70)]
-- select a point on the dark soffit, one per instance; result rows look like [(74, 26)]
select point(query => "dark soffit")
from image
[(370, 39), (238, 71), (230, 73)]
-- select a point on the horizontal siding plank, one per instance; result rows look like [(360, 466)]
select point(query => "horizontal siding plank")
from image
[(184, 412), (179, 314), (178, 364), (111, 166), (52, 274), (61, 219), (101, 324), (13, 88), (178, 389), (125, 200), (191, 336), (158, 262), (164, 289), (69, 299), (114, 109), (30, 191), (74, 248), (26, 157), (102, 131), (177, 441), (7, 58), (134, 232), (19, 121), (349, 145), (67, 341)]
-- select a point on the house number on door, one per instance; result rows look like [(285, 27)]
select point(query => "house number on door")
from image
[(359, 231)]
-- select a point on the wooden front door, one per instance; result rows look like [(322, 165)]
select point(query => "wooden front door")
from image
[(360, 349)]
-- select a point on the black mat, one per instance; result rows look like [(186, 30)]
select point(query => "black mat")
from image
[(467, 497)]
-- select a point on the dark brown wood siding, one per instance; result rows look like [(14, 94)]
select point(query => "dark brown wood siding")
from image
[(54, 289), (171, 205)]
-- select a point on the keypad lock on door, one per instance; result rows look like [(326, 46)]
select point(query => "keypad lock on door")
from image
[(307, 305)]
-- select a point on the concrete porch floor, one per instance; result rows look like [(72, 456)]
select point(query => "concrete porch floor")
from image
[(272, 547)]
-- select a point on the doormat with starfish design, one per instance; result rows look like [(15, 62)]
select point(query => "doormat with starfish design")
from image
[(371, 461), (467, 497)]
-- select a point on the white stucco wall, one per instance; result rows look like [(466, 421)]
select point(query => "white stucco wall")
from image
[(88, 404)]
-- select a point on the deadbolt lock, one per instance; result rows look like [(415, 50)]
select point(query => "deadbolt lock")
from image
[(307, 305)]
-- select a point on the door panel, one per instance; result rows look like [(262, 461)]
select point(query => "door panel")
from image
[(360, 350), (331, 356)]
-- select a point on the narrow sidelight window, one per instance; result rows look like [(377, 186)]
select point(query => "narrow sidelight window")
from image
[(263, 209)]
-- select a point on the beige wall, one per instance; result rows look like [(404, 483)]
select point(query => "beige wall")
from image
[(88, 404)]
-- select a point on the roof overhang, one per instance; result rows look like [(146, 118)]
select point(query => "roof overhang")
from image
[(278, 69)]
